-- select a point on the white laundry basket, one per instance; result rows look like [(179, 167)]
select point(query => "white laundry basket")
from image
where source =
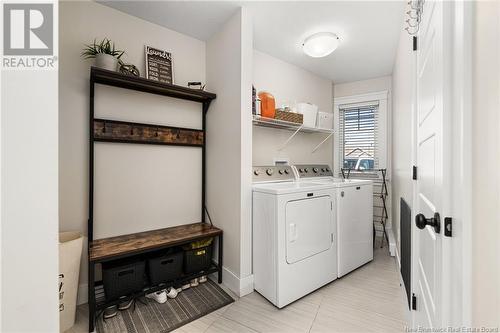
[(70, 253)]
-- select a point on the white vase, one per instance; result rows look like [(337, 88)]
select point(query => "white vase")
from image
[(106, 61)]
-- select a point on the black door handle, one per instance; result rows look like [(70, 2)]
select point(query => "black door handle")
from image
[(421, 221)]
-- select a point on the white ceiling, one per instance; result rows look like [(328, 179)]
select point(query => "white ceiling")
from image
[(369, 30)]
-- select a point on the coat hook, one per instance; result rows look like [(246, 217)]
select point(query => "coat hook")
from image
[(412, 25), (104, 128), (412, 15), (156, 133), (415, 16), (131, 131), (412, 32)]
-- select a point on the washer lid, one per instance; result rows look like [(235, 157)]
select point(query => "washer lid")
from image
[(340, 182), (290, 187)]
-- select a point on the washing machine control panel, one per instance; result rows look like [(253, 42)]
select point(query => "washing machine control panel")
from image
[(272, 173), (313, 170)]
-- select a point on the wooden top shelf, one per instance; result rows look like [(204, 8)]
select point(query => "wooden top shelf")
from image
[(115, 247), (116, 79)]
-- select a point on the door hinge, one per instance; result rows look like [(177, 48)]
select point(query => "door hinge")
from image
[(414, 173), (448, 226), (414, 43), (413, 302)]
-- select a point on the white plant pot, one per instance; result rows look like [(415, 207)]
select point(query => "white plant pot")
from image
[(106, 61)]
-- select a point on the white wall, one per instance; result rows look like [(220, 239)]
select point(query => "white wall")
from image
[(133, 183), (289, 84), (29, 214), (362, 87), (402, 96), (485, 161), (247, 60), (229, 60)]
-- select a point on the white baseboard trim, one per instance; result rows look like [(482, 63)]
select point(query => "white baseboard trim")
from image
[(403, 287), (246, 285), (239, 286), (83, 294), (391, 241), (398, 258)]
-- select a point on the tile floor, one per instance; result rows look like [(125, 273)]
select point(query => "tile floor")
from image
[(369, 299)]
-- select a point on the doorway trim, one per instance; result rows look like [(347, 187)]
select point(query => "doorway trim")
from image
[(460, 243)]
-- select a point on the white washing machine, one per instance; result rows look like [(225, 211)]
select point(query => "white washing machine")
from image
[(294, 235), (354, 215)]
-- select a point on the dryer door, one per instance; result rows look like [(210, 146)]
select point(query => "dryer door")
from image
[(308, 227)]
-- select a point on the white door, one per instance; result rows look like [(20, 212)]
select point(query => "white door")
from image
[(431, 194), (308, 227)]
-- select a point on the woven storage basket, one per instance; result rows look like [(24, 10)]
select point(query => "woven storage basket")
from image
[(289, 116)]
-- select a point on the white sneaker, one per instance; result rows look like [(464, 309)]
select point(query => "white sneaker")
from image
[(203, 279), (159, 296), (186, 286), (194, 283), (172, 292)]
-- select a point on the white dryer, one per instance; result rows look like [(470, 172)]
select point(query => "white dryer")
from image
[(354, 215), (294, 241)]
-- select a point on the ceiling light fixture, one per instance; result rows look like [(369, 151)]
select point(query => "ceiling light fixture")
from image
[(320, 44)]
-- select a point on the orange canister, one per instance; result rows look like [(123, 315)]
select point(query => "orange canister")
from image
[(267, 105)]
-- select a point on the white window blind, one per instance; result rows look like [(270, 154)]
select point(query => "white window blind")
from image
[(358, 132)]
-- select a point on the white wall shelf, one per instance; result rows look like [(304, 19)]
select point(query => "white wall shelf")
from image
[(287, 125), (290, 126)]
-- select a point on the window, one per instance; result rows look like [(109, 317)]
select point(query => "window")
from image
[(362, 134), (358, 127)]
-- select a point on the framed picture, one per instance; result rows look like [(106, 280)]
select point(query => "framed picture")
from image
[(159, 66)]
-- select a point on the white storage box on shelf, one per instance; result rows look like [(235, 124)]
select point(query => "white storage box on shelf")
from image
[(325, 120), (310, 112)]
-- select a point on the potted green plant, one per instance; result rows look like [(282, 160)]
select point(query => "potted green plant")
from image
[(104, 53)]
